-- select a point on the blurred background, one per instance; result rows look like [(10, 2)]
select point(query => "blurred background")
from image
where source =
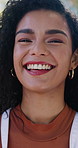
[(70, 4)]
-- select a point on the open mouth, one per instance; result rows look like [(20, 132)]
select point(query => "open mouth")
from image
[(38, 68)]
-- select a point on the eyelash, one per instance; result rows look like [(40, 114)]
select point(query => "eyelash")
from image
[(24, 40), (55, 41)]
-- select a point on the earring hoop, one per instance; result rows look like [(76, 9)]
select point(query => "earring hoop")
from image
[(71, 74), (12, 73)]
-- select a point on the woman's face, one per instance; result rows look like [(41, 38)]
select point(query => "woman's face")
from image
[(42, 51)]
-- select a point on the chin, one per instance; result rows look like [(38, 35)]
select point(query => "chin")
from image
[(36, 89)]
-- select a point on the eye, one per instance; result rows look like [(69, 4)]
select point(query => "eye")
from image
[(55, 41), (25, 40)]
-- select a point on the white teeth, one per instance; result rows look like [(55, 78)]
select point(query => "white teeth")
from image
[(44, 66), (32, 66), (28, 66), (38, 66), (49, 67), (35, 66)]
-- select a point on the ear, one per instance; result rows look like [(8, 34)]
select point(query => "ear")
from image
[(74, 60)]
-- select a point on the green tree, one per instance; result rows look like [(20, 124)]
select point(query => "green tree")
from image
[(76, 3)]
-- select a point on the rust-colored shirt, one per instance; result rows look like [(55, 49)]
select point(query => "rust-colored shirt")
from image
[(25, 134)]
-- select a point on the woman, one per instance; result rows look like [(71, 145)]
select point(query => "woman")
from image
[(39, 41)]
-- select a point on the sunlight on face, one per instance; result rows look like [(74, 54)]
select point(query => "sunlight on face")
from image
[(42, 51)]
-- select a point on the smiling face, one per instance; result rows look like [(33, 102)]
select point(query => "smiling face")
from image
[(42, 50)]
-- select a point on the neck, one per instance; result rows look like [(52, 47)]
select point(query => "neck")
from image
[(42, 108)]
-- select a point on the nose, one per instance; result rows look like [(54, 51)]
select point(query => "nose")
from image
[(39, 49)]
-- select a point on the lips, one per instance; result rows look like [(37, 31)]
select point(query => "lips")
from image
[(38, 68)]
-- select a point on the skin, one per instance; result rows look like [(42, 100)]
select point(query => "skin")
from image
[(43, 95)]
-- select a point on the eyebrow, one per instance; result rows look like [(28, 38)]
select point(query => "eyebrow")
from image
[(29, 31), (52, 31), (56, 31)]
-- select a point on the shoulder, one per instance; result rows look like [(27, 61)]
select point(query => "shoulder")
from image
[(75, 121), (74, 132)]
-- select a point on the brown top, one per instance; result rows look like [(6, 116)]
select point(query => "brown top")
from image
[(23, 133)]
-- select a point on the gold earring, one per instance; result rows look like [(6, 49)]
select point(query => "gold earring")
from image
[(12, 73), (71, 74)]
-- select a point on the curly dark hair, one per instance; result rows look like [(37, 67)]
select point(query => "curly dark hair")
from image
[(10, 88)]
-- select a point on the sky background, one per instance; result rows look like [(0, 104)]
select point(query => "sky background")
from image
[(70, 4)]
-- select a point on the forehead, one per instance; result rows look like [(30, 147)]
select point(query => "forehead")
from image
[(42, 20)]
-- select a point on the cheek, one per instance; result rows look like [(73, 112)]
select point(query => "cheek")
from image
[(62, 57), (63, 54), (18, 54), (17, 63), (17, 58)]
